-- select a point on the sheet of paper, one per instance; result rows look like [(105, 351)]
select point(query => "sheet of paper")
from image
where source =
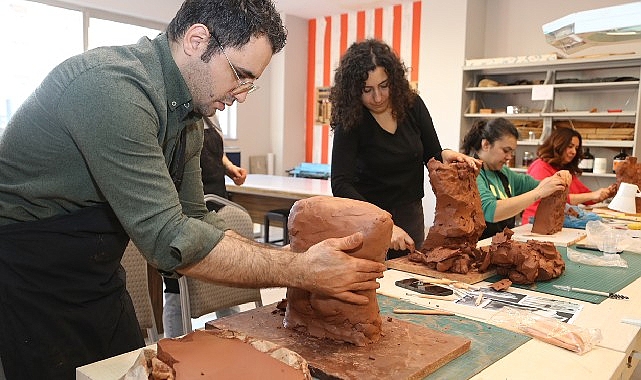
[(542, 92)]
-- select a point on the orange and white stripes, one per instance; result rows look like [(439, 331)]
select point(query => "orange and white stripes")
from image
[(330, 36)]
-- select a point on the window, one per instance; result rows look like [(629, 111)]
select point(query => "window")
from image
[(60, 35), (106, 32), (30, 54), (227, 120)]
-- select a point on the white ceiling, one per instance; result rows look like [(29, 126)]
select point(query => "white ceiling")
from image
[(318, 8)]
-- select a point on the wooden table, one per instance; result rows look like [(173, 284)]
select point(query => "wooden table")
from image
[(615, 357), (261, 193), (535, 359), (610, 359)]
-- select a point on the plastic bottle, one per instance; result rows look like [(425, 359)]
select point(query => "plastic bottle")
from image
[(528, 158), (587, 161), (618, 160)]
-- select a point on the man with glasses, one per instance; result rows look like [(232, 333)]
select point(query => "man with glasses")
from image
[(107, 149)]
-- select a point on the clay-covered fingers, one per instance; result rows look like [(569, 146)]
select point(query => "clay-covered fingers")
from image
[(450, 156), (330, 271), (550, 185), (565, 176), (401, 240)]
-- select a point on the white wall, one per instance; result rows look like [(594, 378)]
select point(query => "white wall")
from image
[(161, 11), (513, 27), (273, 118), (466, 29)]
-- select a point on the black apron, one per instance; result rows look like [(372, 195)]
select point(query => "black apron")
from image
[(63, 296)]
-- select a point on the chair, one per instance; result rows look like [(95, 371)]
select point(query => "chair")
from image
[(198, 298), (279, 215), (135, 267)]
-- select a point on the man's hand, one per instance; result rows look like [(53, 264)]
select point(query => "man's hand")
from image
[(327, 269)]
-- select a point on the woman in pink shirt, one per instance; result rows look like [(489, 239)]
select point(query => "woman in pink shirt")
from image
[(561, 151)]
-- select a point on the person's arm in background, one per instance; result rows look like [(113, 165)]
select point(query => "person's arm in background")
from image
[(429, 138), (579, 193), (344, 154), (497, 210), (237, 174)]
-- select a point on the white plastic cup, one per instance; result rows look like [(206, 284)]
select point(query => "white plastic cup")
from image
[(610, 239), (600, 165)]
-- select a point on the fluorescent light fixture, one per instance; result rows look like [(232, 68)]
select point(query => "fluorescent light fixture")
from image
[(603, 26)]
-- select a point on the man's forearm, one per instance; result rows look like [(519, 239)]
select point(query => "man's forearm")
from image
[(240, 262)]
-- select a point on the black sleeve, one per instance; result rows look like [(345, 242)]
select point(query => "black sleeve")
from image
[(344, 152), (429, 138)]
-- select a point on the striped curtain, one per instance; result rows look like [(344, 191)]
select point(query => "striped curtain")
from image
[(329, 37)]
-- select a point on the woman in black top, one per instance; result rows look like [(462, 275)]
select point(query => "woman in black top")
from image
[(383, 138)]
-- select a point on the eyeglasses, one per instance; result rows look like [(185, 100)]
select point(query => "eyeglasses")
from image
[(244, 85)]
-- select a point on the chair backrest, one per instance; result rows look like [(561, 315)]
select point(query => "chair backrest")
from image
[(199, 298), (135, 267)]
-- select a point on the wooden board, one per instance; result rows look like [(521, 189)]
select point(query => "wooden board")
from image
[(406, 351), (405, 265), (563, 238)]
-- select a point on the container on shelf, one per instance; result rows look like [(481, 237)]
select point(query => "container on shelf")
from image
[(528, 159), (600, 164), (587, 161), (618, 160)]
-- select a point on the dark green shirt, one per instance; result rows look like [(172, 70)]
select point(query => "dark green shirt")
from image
[(102, 128), (491, 188)]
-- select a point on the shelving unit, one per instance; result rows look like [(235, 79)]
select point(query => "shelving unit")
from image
[(603, 93)]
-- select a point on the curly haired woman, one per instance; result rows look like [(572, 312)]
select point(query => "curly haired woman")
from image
[(560, 151), (383, 138)]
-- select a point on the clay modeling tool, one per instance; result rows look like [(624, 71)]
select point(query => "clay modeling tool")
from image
[(588, 291), (479, 299), (422, 312), (451, 297), (454, 283), (591, 248), (636, 322)]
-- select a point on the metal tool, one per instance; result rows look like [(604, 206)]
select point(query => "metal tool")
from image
[(588, 291), (635, 322), (592, 248), (422, 312)]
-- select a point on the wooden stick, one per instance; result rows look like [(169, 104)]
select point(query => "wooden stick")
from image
[(423, 312), (479, 299), (451, 297)]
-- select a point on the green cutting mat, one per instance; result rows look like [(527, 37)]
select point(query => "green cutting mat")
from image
[(489, 343), (604, 279)]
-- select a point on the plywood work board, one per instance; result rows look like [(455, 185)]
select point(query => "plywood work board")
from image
[(563, 238), (405, 265), (406, 350)]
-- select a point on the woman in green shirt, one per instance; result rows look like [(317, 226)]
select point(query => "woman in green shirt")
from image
[(504, 193)]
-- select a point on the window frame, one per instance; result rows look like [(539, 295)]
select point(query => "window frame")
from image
[(229, 127)]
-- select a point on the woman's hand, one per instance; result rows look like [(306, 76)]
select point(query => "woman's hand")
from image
[(401, 240), (450, 156), (605, 193), (552, 184), (238, 175)]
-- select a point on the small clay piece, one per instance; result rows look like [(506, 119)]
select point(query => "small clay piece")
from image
[(501, 285), (313, 220)]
